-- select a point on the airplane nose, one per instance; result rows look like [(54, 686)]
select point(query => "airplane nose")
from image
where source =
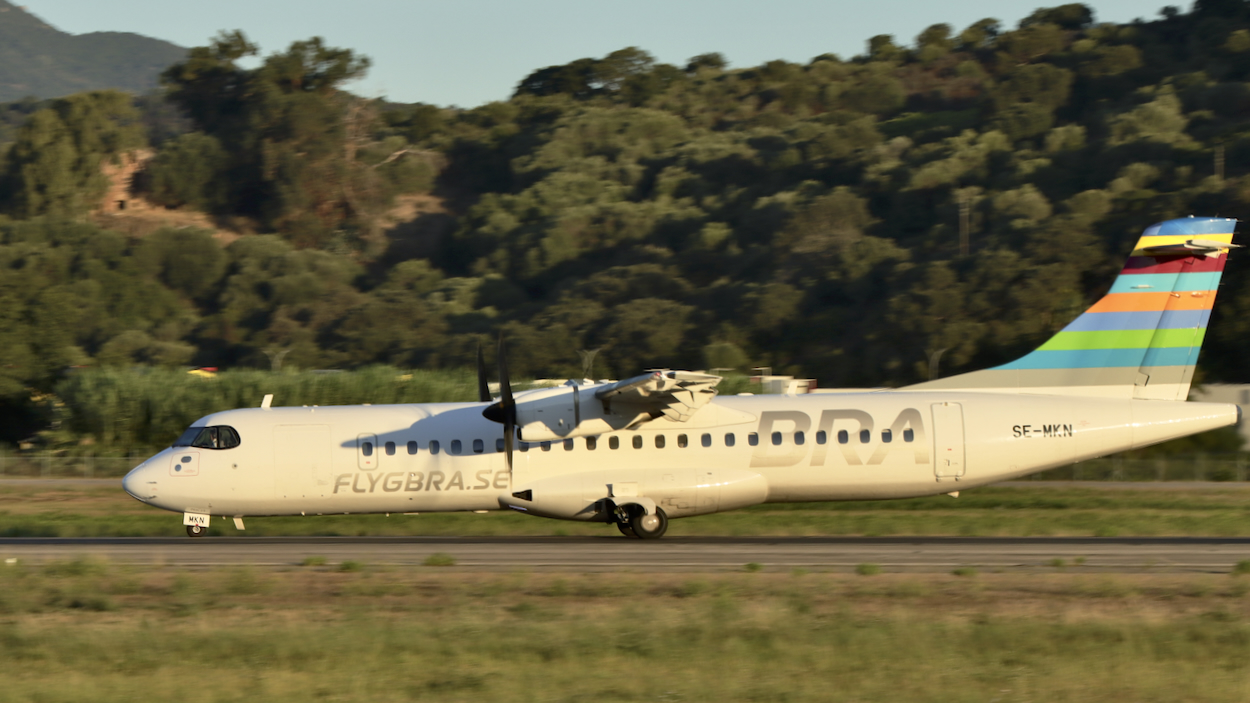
[(138, 485), (130, 483)]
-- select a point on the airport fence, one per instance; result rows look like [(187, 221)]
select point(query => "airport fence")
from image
[(1191, 467)]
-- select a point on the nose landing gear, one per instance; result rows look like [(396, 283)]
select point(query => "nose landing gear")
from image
[(196, 530)]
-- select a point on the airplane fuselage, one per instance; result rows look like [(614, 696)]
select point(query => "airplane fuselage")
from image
[(736, 451)]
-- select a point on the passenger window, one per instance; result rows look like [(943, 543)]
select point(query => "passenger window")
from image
[(887, 436), (390, 449), (843, 437), (591, 443), (568, 445), (730, 439), (499, 445), (614, 442), (908, 435), (546, 446), (753, 439), (412, 447), (821, 437), (706, 440), (865, 436), (433, 446), (455, 446), (682, 441), (637, 441), (659, 441), (366, 448), (799, 438), (776, 439), (523, 446), (478, 446)]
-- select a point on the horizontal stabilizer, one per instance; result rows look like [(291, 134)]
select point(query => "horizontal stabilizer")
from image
[(1204, 247)]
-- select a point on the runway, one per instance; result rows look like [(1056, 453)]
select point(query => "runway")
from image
[(690, 554)]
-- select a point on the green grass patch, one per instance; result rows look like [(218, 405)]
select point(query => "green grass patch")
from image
[(102, 632), (867, 569), (76, 510), (439, 559)]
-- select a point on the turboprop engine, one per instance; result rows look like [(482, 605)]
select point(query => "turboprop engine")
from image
[(577, 410)]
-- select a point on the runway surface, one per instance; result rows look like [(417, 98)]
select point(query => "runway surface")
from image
[(691, 554)]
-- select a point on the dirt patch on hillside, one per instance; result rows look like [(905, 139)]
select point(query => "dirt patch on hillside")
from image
[(123, 210), (413, 227)]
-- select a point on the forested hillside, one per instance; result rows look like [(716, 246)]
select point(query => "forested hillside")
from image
[(969, 190), (38, 60)]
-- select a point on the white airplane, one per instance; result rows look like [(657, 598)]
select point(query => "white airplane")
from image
[(663, 445)]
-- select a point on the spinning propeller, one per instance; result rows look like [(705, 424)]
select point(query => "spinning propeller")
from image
[(503, 411)]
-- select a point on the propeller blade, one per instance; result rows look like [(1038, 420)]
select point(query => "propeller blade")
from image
[(483, 388), (506, 404)]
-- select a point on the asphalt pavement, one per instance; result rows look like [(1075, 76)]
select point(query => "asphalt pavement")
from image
[(687, 554)]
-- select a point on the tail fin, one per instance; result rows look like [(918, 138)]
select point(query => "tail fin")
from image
[(1142, 339)]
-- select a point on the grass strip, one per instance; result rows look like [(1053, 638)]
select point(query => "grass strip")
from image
[(93, 630), (44, 510)]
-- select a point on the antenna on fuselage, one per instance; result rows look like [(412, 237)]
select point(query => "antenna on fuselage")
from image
[(266, 401)]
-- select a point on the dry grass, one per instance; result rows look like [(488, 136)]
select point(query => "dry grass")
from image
[(78, 509), (92, 630)]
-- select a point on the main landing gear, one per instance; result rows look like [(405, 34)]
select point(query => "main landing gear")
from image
[(637, 523)]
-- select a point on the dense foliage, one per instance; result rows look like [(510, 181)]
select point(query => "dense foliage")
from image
[(955, 201)]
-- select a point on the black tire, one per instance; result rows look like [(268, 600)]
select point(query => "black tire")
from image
[(196, 530), (626, 529), (649, 526)]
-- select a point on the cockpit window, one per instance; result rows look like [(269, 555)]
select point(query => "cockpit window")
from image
[(218, 437)]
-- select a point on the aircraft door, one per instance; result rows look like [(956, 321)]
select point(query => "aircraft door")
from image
[(301, 460), (367, 451), (948, 440)]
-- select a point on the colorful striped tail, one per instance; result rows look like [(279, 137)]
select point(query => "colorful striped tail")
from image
[(1142, 339)]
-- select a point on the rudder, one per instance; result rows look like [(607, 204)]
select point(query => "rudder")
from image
[(1141, 340)]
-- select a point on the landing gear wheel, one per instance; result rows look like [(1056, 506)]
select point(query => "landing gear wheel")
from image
[(651, 526), (625, 529), (196, 530)]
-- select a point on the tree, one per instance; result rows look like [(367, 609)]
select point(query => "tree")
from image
[(54, 167), (934, 42), (291, 134), (713, 61), (1071, 16), (189, 170)]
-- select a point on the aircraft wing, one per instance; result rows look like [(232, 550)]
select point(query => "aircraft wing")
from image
[(676, 395)]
